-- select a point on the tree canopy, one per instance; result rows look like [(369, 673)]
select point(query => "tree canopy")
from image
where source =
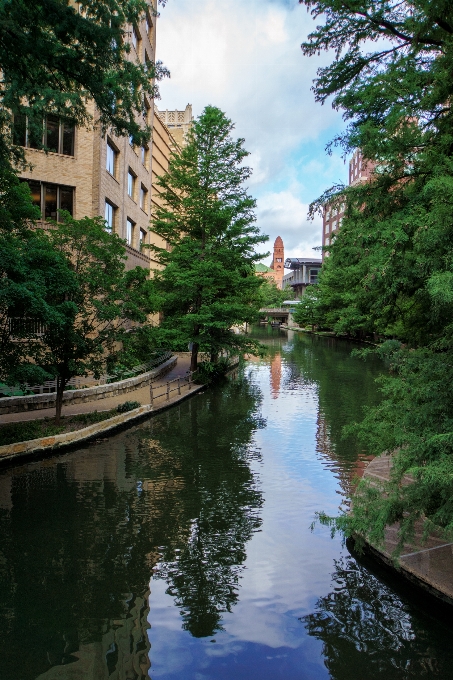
[(390, 269), (207, 218)]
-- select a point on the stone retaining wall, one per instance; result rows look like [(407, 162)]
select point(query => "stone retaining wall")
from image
[(56, 442), (39, 401)]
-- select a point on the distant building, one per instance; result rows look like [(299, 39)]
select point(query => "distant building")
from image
[(178, 123), (359, 171), (275, 271), (304, 272)]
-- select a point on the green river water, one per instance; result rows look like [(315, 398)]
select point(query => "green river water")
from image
[(181, 548)]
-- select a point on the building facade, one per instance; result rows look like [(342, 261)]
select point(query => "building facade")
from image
[(304, 272), (178, 123), (89, 175), (360, 171)]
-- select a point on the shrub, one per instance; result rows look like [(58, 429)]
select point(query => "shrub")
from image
[(209, 371), (127, 406)]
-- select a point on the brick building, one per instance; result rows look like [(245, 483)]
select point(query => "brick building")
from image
[(275, 271), (90, 175), (359, 171)]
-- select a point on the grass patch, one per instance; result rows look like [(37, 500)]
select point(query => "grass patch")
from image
[(34, 429)]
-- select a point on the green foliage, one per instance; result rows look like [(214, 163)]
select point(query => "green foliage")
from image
[(208, 284), (307, 312), (27, 264), (56, 59), (270, 295), (127, 406), (89, 299), (138, 346), (212, 371), (390, 267)]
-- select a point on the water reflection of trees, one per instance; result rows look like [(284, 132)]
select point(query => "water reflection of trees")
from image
[(81, 535), (222, 506), (365, 626)]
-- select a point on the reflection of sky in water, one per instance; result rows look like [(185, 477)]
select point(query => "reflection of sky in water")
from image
[(229, 519), (288, 567)]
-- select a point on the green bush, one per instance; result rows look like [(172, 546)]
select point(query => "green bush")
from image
[(127, 406), (209, 372)]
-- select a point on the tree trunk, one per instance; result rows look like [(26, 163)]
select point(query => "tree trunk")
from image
[(214, 357), (61, 384), (194, 357)]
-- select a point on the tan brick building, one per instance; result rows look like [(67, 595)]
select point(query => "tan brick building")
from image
[(91, 175)]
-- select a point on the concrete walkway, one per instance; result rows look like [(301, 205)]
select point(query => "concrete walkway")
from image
[(142, 395), (428, 563)]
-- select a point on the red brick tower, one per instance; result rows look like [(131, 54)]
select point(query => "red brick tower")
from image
[(278, 260)]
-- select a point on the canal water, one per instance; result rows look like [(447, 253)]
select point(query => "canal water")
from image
[(181, 549)]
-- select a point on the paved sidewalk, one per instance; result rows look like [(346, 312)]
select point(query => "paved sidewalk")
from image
[(141, 395)]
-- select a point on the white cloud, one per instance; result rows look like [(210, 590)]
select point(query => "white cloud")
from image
[(284, 214), (244, 56)]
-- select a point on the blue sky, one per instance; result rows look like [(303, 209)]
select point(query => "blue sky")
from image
[(244, 56)]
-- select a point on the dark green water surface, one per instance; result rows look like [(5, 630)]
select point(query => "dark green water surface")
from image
[(181, 548)]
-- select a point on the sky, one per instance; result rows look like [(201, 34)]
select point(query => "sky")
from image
[(244, 56)]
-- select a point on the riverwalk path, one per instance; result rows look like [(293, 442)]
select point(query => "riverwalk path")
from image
[(428, 563), (142, 395)]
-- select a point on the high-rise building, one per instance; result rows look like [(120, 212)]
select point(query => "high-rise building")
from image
[(360, 171), (88, 174)]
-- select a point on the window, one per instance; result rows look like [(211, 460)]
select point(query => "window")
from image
[(279, 259), (314, 275), (53, 133), (143, 198), (134, 38), (148, 24), (144, 156), (130, 232), (109, 216), (111, 159), (326, 228), (67, 139), (130, 184), (51, 198), (142, 238)]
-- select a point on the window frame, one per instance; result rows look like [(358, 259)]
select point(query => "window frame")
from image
[(111, 147), (133, 176), (130, 235), (42, 145), (59, 188), (110, 228), (143, 198)]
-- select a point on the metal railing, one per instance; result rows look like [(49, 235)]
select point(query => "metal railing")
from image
[(166, 390), (77, 383)]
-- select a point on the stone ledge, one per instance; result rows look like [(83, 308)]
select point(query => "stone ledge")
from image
[(57, 442), (428, 563), (38, 401)]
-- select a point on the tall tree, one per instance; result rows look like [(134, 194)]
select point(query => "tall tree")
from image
[(208, 284), (56, 56), (390, 269)]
